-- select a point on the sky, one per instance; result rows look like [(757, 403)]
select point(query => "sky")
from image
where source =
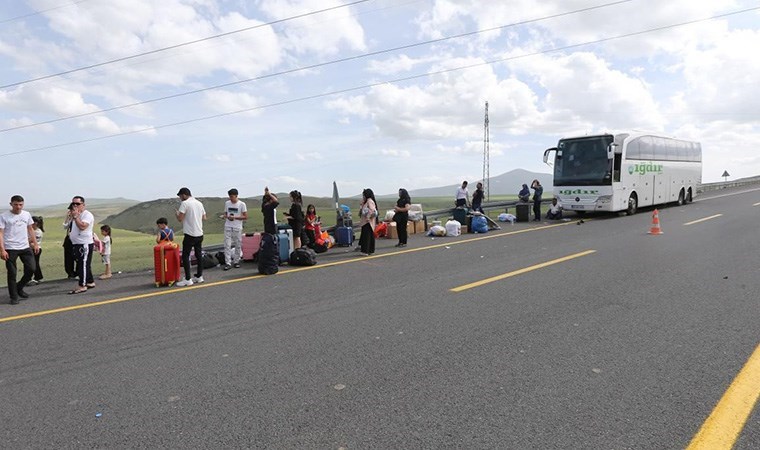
[(136, 98)]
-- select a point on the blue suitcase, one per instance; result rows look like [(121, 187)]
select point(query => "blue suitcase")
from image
[(344, 236), (283, 246)]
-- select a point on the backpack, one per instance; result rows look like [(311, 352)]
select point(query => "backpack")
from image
[(268, 255)]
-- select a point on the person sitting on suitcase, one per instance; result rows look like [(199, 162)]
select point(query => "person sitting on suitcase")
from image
[(165, 234)]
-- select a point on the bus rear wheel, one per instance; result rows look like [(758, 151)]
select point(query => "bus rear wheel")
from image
[(633, 205), (688, 196), (681, 198)]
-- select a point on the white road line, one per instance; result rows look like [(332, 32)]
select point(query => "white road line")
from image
[(703, 219)]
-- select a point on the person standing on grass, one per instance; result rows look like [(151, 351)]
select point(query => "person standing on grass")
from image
[(105, 230), (16, 235), (477, 198), (462, 198), (235, 212), (81, 221), (191, 214)]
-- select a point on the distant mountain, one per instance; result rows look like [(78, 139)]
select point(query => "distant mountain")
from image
[(508, 183), (99, 207)]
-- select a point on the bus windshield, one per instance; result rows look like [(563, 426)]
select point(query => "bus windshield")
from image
[(583, 162)]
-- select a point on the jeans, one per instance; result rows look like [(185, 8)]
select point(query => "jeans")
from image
[(192, 243), (27, 259), (232, 238)]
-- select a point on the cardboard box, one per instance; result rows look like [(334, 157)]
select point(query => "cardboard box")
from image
[(463, 229), (392, 231), (419, 227)]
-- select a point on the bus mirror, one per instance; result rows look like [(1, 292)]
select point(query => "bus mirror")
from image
[(611, 151), (549, 150)]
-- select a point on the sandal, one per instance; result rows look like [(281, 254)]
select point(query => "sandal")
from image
[(78, 290), (90, 285)]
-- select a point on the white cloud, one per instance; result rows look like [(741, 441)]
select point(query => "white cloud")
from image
[(219, 157), (309, 156), (395, 153)]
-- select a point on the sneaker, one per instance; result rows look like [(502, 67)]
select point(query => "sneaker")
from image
[(32, 283), (226, 267), (236, 265), (14, 301), (22, 294), (183, 283), (198, 280)]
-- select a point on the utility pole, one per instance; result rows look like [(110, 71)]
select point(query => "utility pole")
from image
[(486, 158)]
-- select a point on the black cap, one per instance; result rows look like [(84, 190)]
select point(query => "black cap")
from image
[(184, 191)]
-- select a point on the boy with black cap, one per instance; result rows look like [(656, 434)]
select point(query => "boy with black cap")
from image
[(191, 214)]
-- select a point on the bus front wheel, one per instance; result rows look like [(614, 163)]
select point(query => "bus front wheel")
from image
[(633, 205)]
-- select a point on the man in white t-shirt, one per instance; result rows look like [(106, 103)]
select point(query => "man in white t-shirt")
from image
[(81, 222), (16, 233), (463, 196), (191, 214), (235, 212)]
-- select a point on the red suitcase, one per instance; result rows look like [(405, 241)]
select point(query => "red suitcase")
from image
[(166, 263), (251, 244)]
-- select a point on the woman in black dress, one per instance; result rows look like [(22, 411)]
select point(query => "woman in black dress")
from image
[(401, 217), (295, 217)]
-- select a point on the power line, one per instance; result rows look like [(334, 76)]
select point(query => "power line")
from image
[(158, 50), (367, 86), (41, 12), (310, 67)]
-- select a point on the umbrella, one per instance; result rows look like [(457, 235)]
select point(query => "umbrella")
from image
[(335, 197)]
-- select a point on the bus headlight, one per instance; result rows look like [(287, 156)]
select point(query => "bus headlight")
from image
[(604, 199)]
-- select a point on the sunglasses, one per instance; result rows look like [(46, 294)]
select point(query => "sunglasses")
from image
[(75, 203)]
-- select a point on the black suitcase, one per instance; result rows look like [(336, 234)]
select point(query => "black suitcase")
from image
[(303, 256), (523, 212), (268, 255)]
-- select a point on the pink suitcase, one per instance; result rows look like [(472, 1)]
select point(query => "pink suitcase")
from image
[(251, 244)]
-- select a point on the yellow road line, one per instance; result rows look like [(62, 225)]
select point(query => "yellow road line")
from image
[(358, 259), (521, 271), (703, 219), (722, 427)]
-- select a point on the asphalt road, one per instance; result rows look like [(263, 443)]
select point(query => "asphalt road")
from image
[(627, 342)]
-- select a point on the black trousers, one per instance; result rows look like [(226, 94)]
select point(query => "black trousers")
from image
[(537, 209), (82, 254), (367, 239), (192, 243), (401, 222), (27, 259), (38, 270), (68, 257)]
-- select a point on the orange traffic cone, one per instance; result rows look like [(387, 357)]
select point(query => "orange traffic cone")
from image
[(655, 223)]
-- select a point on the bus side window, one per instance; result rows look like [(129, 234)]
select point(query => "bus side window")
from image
[(616, 167)]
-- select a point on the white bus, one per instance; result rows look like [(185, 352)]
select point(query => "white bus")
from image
[(622, 172)]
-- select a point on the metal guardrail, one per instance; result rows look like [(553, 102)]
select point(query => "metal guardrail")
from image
[(706, 187)]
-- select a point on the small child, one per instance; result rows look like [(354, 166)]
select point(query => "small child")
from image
[(39, 230), (165, 234), (105, 230)]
